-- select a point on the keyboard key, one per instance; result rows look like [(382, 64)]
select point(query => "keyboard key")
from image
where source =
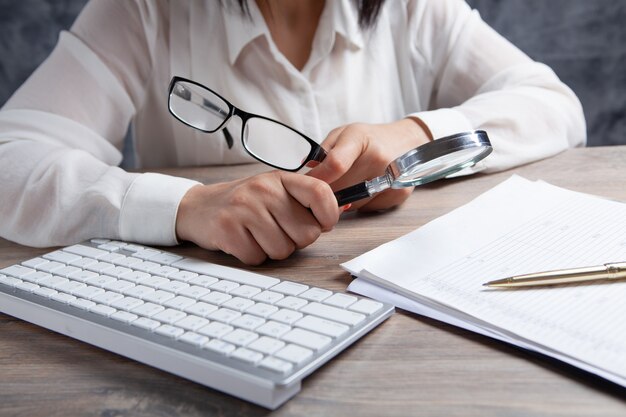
[(108, 247), (70, 286), (88, 292), (340, 300), (82, 275), (316, 294), (248, 322), (240, 337), (146, 253), (112, 258), (269, 297), (155, 282), (273, 329), (179, 302), (245, 291), (66, 271), (16, 271), (124, 316), (290, 288), (323, 326), (83, 262), (174, 286), (307, 339), (293, 303), (138, 291), (192, 323), (62, 297), (107, 297), (266, 345), (238, 303), (169, 331), (33, 263), (202, 280), (216, 297), (333, 313), (118, 285), (158, 296), (165, 258), (51, 281), (224, 286), (37, 276), (220, 346), (146, 323), (135, 276), (183, 276), (215, 329), (126, 261), (127, 303), (194, 291), (169, 316), (147, 309), (102, 309), (100, 267), (62, 257), (85, 251), (26, 286), (224, 315), (44, 292), (262, 310), (294, 354), (82, 303), (276, 365), (99, 280), (50, 266), (146, 266), (201, 309), (286, 316), (164, 271), (194, 339), (247, 355), (116, 271), (366, 306)]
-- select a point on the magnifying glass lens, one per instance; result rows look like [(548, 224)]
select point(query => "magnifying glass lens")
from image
[(420, 172)]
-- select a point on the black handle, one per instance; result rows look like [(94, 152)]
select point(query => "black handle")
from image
[(353, 193)]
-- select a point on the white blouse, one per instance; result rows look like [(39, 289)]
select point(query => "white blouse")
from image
[(62, 132)]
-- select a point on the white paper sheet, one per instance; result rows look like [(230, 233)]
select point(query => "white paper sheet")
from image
[(517, 227)]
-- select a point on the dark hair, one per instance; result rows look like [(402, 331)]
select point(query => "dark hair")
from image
[(368, 11)]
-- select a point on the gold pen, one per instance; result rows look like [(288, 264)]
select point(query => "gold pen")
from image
[(610, 271)]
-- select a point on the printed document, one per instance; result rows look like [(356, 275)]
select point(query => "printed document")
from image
[(517, 227)]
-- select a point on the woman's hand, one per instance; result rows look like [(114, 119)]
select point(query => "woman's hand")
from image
[(268, 215), (359, 152)]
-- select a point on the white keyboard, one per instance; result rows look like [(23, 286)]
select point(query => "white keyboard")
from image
[(246, 334)]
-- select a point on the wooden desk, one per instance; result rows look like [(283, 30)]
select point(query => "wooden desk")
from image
[(408, 366)]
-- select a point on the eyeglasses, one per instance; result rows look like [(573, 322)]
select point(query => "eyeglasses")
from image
[(267, 140)]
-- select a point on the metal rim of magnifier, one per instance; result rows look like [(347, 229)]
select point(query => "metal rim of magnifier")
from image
[(437, 150)]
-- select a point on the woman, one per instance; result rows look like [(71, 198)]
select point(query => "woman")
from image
[(370, 80)]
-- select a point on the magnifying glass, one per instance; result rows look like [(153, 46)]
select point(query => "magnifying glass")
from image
[(426, 163)]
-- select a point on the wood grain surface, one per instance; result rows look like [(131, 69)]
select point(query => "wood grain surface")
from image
[(408, 366)]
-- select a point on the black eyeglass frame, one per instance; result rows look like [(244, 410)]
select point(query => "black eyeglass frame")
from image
[(317, 153)]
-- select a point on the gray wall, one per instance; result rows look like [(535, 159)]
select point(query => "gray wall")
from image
[(583, 40)]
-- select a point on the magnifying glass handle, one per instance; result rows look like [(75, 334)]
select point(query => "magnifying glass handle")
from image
[(353, 193)]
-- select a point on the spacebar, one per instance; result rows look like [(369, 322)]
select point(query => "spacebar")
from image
[(232, 274)]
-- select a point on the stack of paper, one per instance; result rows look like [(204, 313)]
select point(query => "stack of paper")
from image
[(517, 227)]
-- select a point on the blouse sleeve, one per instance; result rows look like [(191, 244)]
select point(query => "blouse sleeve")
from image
[(62, 131), (482, 81)]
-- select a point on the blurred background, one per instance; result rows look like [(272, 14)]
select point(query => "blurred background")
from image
[(583, 41)]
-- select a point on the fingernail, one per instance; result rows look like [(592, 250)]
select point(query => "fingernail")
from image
[(346, 207)]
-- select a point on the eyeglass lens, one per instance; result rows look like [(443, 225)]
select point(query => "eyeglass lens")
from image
[(266, 140)]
